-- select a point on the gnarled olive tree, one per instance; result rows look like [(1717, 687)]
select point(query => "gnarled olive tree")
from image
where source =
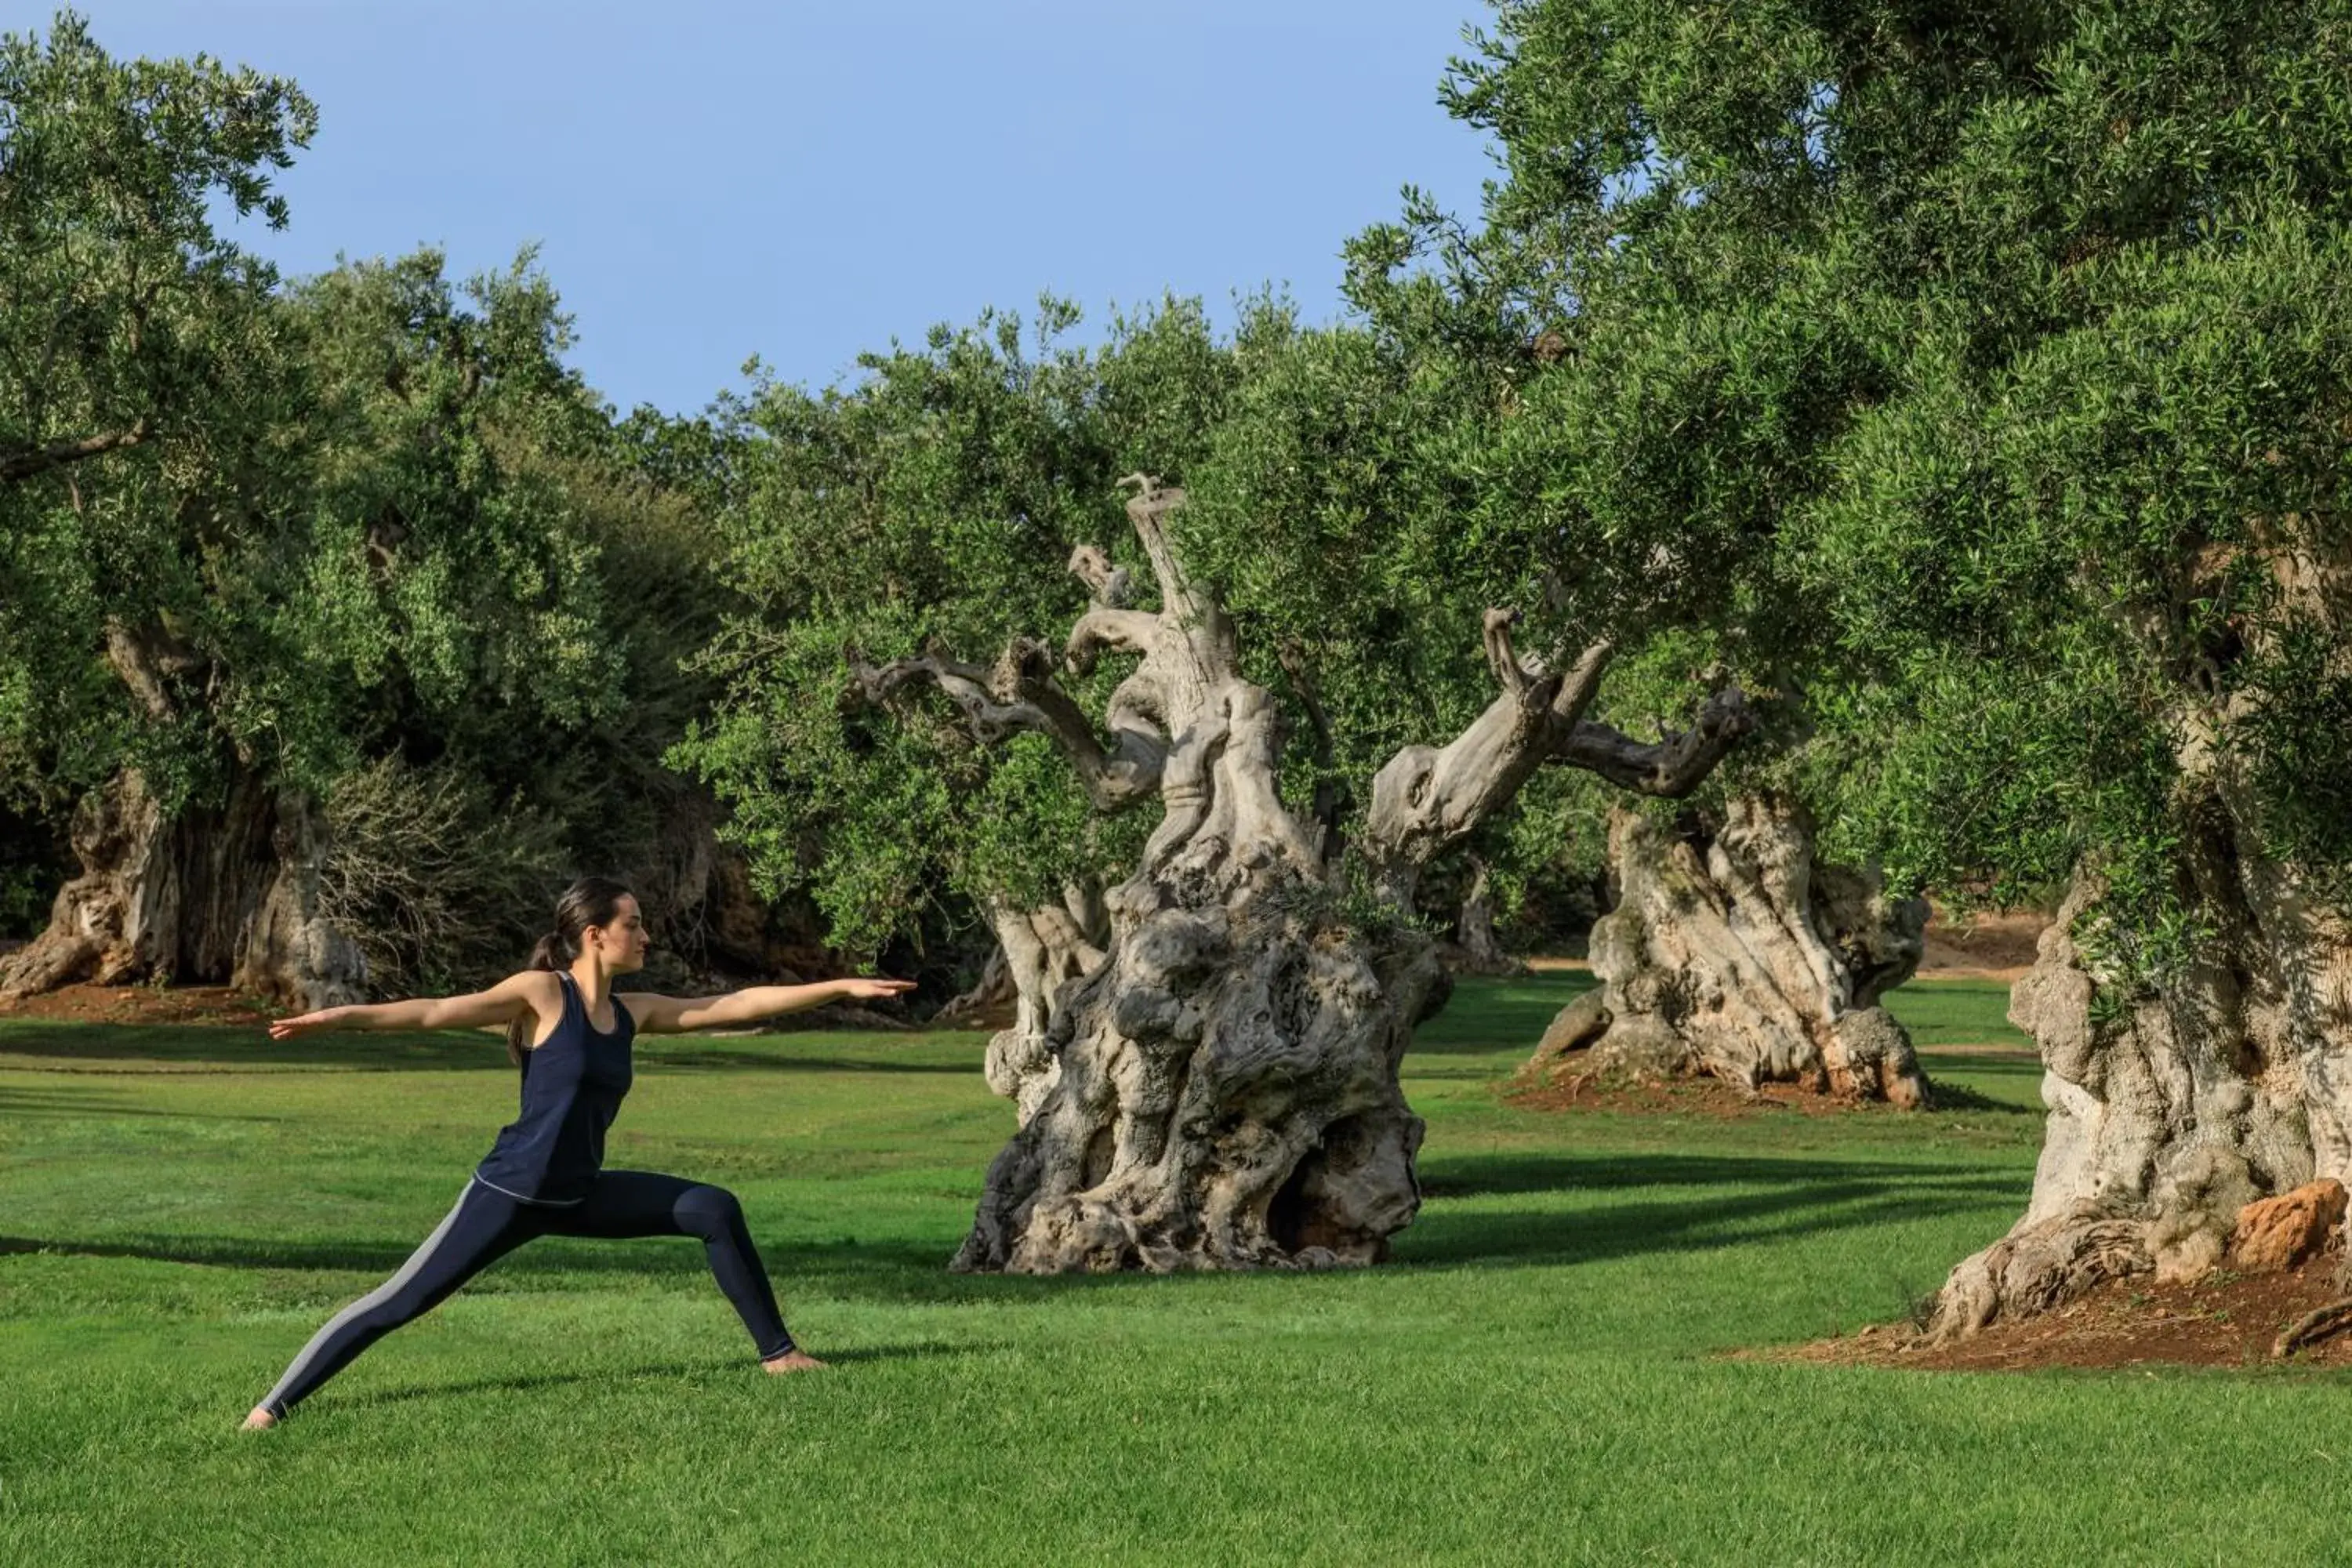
[(1735, 952), (1242, 739), (291, 576), (1220, 1089), (2039, 316)]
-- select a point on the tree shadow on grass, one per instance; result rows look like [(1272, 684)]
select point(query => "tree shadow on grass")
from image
[(1803, 1198), (1950, 1096), (1486, 1015), (1473, 1176), (746, 1061), (69, 1100), (546, 1256), (1717, 1205), (229, 1049)]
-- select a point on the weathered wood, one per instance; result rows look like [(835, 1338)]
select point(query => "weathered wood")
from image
[(1206, 1070), (1735, 953), (2173, 1103), (1475, 949)]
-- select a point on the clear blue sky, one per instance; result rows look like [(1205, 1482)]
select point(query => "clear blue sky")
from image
[(710, 181)]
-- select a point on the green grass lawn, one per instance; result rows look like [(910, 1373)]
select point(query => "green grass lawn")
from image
[(1536, 1377)]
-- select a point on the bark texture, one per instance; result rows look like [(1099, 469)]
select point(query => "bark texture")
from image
[(2173, 1107), (1735, 953), (1041, 950), (1214, 1082), (2177, 1104), (226, 894)]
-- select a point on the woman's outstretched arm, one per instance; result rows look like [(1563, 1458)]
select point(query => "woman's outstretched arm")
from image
[(658, 1014), (534, 992)]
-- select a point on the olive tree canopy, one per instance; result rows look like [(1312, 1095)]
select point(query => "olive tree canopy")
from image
[(2026, 325)]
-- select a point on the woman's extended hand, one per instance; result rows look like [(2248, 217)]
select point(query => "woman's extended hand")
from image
[(864, 989), (302, 1024)]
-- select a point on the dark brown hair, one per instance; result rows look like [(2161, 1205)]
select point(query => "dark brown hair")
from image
[(590, 901)]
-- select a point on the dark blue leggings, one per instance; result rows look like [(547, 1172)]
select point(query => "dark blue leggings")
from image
[(487, 1223)]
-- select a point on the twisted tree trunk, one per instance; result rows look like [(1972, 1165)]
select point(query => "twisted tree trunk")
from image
[(1218, 1089), (1042, 950), (228, 892), (2172, 1106), (218, 894), (2179, 1098), (1737, 955)]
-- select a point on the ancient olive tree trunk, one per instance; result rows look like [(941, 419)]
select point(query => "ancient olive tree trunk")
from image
[(227, 893), (1735, 953), (1219, 1087), (2174, 1105), (1475, 949), (1042, 950)]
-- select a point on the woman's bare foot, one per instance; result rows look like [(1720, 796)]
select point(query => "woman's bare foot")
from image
[(260, 1420), (793, 1360)]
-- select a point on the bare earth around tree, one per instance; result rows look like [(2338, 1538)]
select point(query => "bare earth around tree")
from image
[(2222, 1320), (2172, 1111)]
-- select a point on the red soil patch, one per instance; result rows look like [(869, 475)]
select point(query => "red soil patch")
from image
[(1988, 946), (175, 1005), (1708, 1097), (2223, 1320)]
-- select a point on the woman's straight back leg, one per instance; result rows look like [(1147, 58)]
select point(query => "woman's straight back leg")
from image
[(482, 1227)]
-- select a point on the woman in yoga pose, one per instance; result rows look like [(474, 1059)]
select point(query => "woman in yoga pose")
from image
[(568, 1031)]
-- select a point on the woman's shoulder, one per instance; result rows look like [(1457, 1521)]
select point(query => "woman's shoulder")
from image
[(543, 988)]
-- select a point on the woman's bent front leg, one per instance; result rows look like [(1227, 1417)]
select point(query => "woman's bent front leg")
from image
[(484, 1226), (644, 1202)]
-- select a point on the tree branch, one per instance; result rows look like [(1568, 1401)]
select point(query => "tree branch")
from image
[(144, 656), (1019, 694), (1147, 510), (1118, 631), (1198, 617), (1502, 657), (1108, 585), (1330, 789), (1678, 763), (19, 465), (1425, 799)]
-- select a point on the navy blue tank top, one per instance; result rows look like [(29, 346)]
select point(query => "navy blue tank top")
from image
[(572, 1089)]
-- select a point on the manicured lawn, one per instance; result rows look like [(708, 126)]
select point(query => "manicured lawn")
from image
[(1536, 1377)]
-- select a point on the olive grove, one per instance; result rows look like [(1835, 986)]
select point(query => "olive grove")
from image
[(2037, 316), (1304, 656)]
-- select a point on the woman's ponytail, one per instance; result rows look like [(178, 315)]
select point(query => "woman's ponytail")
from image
[(549, 953), (590, 901)]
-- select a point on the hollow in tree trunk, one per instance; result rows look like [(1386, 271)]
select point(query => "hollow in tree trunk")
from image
[(1735, 953), (2173, 1104), (1220, 1088)]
